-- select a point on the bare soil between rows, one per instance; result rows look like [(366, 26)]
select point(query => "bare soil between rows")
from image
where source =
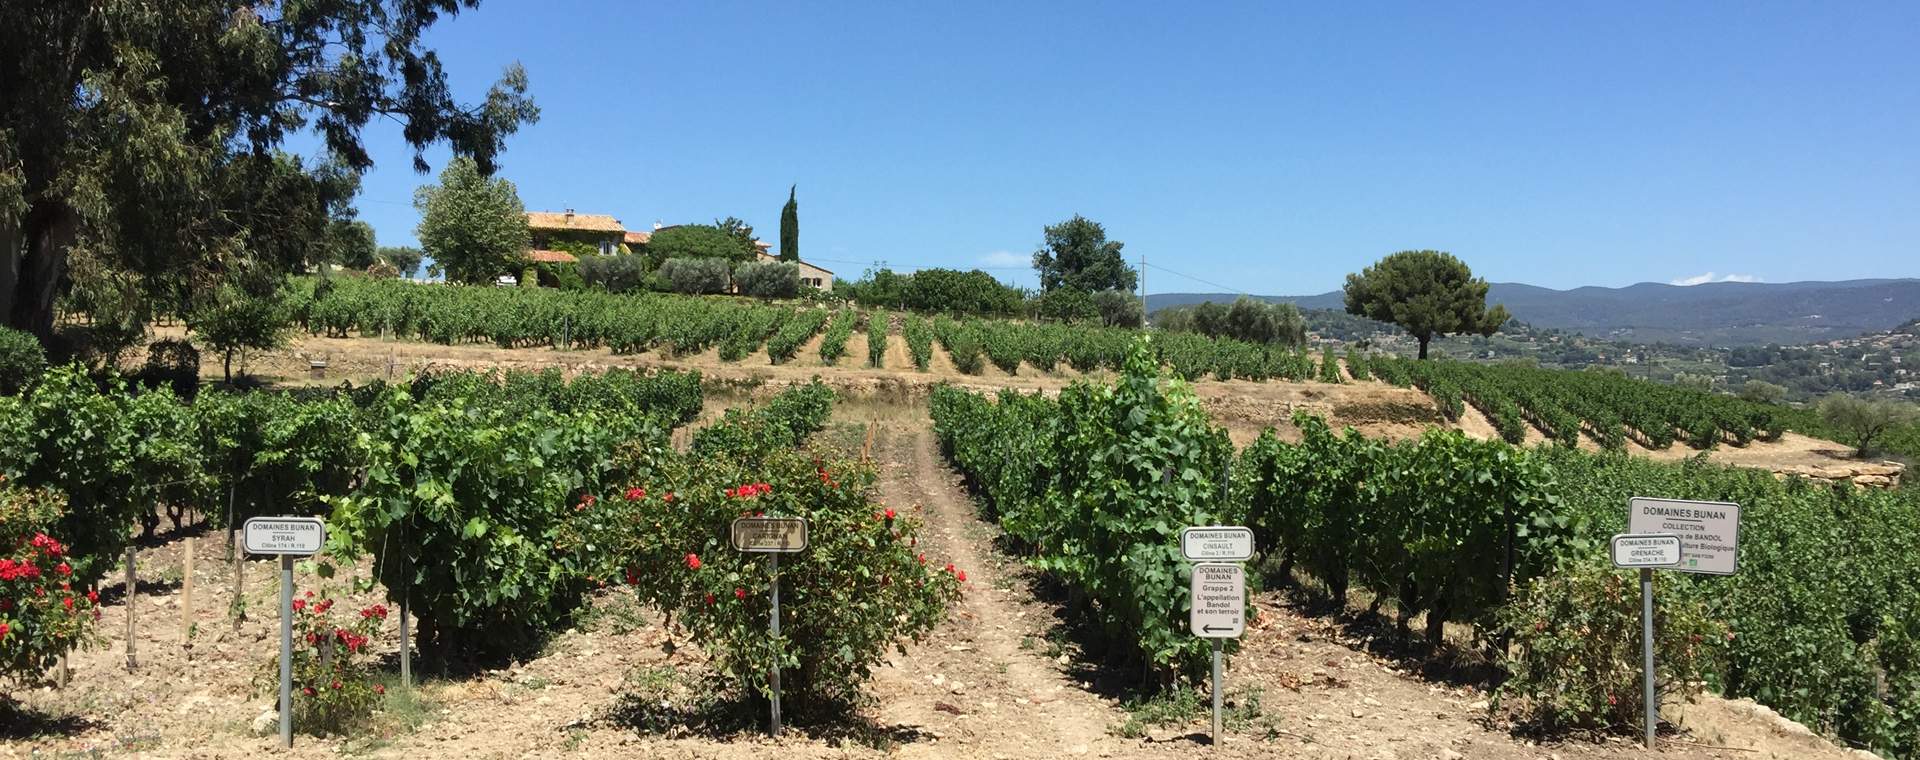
[(1003, 677)]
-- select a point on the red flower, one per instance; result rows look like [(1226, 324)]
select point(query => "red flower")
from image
[(68, 603), (307, 690), (915, 541), (63, 569), (323, 606), (299, 604), (1612, 700), (889, 513), (962, 575), (587, 500), (636, 494), (379, 689), (709, 600), (93, 596), (693, 561), (667, 498), (4, 630), (336, 684), (949, 567), (739, 593), (922, 559), (633, 578)]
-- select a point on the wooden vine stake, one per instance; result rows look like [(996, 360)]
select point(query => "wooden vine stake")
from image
[(133, 605), (186, 597), (239, 586)]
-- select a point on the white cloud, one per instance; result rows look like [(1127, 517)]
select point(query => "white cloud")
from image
[(1005, 259), (1701, 279)]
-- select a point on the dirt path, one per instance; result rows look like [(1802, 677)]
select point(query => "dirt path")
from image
[(981, 683)]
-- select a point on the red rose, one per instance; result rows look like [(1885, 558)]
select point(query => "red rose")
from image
[(739, 593), (667, 498), (889, 513), (299, 604), (307, 690), (379, 689), (636, 494), (709, 600), (93, 596), (587, 499), (693, 561), (63, 569), (962, 575), (68, 603), (4, 630), (336, 684), (922, 559), (949, 567)]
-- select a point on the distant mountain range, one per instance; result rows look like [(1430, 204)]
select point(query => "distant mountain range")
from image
[(1720, 313)]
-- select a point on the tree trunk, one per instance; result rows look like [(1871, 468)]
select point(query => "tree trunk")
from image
[(1423, 344), (226, 366), (34, 260)]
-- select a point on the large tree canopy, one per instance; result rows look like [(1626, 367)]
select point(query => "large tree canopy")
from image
[(474, 227), (729, 239), (1077, 254), (1426, 292), (144, 137), (350, 243)]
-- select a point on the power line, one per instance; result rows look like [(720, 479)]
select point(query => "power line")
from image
[(1198, 280)]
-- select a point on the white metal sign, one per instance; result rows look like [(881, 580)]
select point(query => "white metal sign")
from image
[(1709, 531), (781, 535), (286, 536), (1217, 544), (1219, 601), (1646, 550)]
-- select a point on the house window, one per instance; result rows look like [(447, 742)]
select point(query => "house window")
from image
[(606, 248)]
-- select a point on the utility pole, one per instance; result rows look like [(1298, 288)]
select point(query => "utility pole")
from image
[(1143, 290)]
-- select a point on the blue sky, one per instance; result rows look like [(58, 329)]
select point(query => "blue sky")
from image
[(1266, 147)]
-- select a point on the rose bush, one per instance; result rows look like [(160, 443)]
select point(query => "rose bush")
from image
[(333, 675), (42, 613)]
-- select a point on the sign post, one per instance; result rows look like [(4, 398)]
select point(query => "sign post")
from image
[(287, 537), (772, 536), (1688, 536), (1217, 594)]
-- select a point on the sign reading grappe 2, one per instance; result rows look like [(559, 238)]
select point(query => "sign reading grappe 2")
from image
[(292, 536), (1219, 601), (1709, 531)]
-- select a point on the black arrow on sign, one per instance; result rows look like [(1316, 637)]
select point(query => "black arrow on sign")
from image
[(1211, 629)]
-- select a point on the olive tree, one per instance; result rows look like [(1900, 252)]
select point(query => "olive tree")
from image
[(1863, 421)]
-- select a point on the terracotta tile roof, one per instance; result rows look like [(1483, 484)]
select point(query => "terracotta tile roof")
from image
[(638, 238), (554, 220), (762, 244), (552, 257)]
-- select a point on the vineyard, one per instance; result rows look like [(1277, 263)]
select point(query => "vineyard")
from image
[(1509, 542), (1591, 409)]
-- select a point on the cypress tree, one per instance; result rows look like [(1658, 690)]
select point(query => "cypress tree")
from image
[(790, 228)]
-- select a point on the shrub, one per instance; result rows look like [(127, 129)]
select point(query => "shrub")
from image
[(768, 279), (1067, 305), (1578, 660), (42, 616), (876, 337), (949, 290), (1863, 421), (21, 360), (919, 336), (175, 363), (695, 276), (1097, 484), (1119, 308), (234, 320), (333, 679), (862, 585), (456, 493), (614, 274), (834, 344)]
